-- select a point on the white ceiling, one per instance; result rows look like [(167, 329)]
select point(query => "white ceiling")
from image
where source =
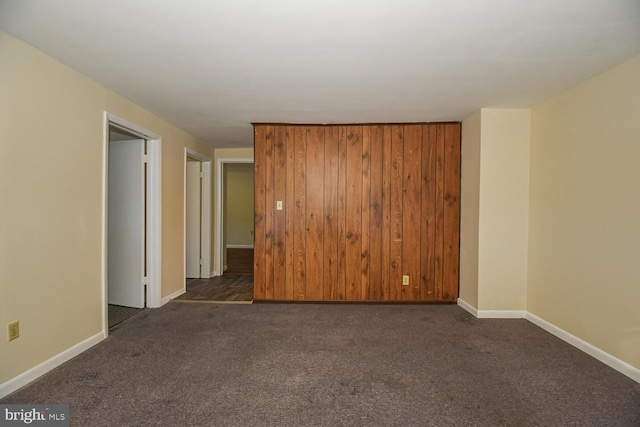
[(212, 67)]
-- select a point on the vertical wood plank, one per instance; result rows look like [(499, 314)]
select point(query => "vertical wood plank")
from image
[(365, 211), (269, 211), (427, 239), (315, 213), (279, 224), (331, 213), (375, 215), (451, 212), (397, 148), (438, 241), (387, 237), (342, 214), (299, 224), (354, 213), (259, 213), (289, 208), (411, 210)]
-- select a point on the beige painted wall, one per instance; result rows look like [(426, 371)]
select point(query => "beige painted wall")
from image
[(584, 239), (239, 204), (470, 209), (504, 208), (494, 210), (51, 168)]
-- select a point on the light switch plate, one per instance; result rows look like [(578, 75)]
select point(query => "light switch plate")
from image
[(279, 205)]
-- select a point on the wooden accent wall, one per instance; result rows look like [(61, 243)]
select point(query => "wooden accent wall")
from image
[(363, 205)]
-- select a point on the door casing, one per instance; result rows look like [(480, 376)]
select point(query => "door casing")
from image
[(153, 212)]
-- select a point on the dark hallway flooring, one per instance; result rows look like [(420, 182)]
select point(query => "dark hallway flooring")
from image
[(235, 285), (118, 314), (222, 288)]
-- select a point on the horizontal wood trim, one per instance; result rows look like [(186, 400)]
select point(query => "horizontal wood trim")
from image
[(372, 302), (254, 124)]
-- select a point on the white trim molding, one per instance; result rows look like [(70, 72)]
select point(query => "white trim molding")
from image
[(176, 294), (468, 307), (46, 366), (205, 212), (153, 211), (501, 314), (593, 351)]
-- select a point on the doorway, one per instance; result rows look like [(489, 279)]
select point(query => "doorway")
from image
[(197, 215), (238, 218), (131, 220), (237, 289), (235, 228)]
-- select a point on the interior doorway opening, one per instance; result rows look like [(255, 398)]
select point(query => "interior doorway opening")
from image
[(131, 220), (235, 213), (197, 215)]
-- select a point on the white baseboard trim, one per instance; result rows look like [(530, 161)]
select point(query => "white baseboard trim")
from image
[(176, 294), (593, 351), (468, 307), (491, 314), (46, 366), (214, 274), (239, 246), (501, 314), (224, 268)]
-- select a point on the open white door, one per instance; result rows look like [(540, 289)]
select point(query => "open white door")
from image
[(126, 223), (192, 225)]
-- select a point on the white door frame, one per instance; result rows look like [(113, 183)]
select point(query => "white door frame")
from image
[(205, 214), (153, 211), (219, 208)]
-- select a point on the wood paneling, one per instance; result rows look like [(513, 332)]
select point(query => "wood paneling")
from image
[(364, 205), (279, 221), (289, 203), (375, 214), (411, 211), (299, 216), (330, 273), (353, 210), (397, 147), (451, 256), (315, 213), (259, 212), (269, 211), (428, 229)]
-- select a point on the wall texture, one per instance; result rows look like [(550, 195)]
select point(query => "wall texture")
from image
[(470, 209), (239, 195), (51, 169), (222, 154), (363, 206), (584, 232), (495, 209), (504, 209)]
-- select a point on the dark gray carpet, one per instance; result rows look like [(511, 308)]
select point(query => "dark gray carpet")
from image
[(334, 365)]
